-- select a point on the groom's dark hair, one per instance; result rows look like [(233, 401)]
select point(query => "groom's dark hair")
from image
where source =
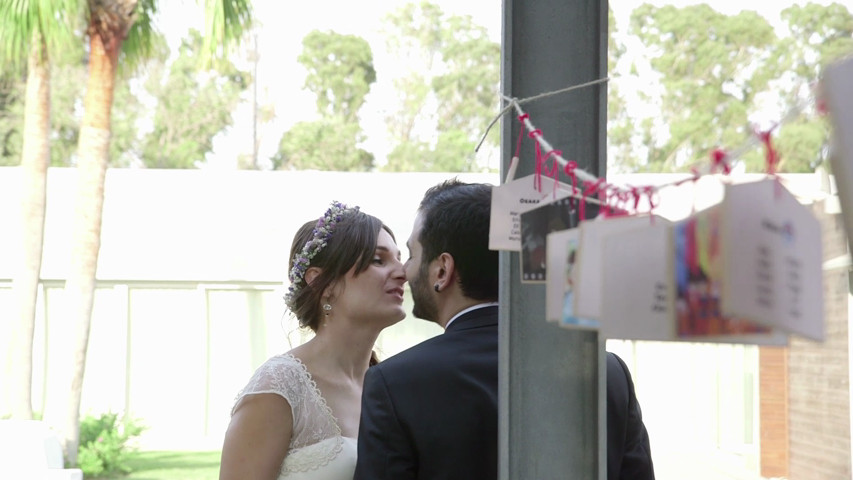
[(456, 221)]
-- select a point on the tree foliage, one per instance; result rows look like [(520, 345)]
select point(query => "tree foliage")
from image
[(707, 60), (448, 95), (192, 106), (11, 113), (340, 73), (330, 143), (724, 77), (819, 34)]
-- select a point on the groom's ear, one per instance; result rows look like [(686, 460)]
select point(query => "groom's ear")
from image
[(445, 270)]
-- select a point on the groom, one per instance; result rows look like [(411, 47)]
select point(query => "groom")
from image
[(432, 411)]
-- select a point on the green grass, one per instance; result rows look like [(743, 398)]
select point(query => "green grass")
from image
[(158, 465)]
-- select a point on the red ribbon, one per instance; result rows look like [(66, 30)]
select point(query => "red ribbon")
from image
[(589, 189), (772, 154), (718, 161)]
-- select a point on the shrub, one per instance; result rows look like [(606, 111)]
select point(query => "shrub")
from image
[(105, 444)]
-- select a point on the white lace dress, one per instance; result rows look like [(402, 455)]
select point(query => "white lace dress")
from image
[(317, 449)]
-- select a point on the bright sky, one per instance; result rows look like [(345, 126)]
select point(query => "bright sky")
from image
[(280, 77)]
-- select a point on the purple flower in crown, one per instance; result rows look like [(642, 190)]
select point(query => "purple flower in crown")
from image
[(321, 234)]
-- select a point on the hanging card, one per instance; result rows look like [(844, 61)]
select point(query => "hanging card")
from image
[(589, 264), (773, 259), (837, 87), (513, 198), (636, 303), (536, 225), (697, 266), (562, 248)]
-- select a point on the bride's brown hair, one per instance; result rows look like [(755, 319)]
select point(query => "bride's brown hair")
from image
[(352, 244)]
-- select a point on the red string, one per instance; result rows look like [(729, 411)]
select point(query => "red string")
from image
[(772, 154), (554, 171), (649, 191), (537, 179), (693, 178), (718, 161), (569, 170), (636, 193), (589, 189)]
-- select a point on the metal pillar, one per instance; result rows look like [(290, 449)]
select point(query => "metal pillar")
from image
[(551, 404)]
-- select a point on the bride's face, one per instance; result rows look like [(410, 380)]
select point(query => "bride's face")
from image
[(375, 294)]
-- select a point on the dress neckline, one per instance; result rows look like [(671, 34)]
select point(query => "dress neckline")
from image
[(322, 400)]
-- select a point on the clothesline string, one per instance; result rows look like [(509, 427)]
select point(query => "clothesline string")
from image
[(722, 158), (532, 99)]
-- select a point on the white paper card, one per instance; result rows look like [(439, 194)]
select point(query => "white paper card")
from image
[(837, 87), (773, 259), (589, 278), (636, 304), (510, 200)]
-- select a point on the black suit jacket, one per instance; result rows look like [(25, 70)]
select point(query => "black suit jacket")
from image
[(629, 456), (431, 412)]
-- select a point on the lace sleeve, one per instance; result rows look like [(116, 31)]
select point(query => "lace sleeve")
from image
[(285, 375)]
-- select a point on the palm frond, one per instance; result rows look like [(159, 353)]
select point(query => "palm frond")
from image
[(21, 21), (226, 21)]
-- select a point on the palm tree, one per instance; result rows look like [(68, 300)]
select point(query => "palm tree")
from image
[(31, 32), (118, 30)]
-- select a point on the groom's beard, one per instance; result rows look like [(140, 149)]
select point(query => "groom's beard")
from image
[(424, 305)]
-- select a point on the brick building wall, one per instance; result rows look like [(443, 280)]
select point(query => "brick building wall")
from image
[(773, 408), (819, 376)]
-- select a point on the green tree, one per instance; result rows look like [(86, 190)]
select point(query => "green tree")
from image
[(118, 31), (340, 72), (707, 61), (326, 144), (620, 124), (449, 93), (192, 107), (31, 33), (818, 35), (11, 111)]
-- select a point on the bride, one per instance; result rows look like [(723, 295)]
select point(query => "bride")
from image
[(298, 416)]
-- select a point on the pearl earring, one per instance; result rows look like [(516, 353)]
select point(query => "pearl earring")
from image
[(326, 309)]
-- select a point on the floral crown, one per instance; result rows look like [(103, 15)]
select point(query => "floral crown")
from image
[(322, 233)]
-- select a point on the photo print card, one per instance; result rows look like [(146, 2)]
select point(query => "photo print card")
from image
[(636, 303), (561, 253), (536, 225), (697, 271), (512, 199), (589, 285), (773, 256)]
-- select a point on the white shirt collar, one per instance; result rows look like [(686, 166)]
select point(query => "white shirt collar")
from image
[(469, 309)]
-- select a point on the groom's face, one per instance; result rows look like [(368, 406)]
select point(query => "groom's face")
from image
[(417, 274)]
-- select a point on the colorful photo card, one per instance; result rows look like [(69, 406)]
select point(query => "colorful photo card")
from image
[(559, 290), (697, 272)]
